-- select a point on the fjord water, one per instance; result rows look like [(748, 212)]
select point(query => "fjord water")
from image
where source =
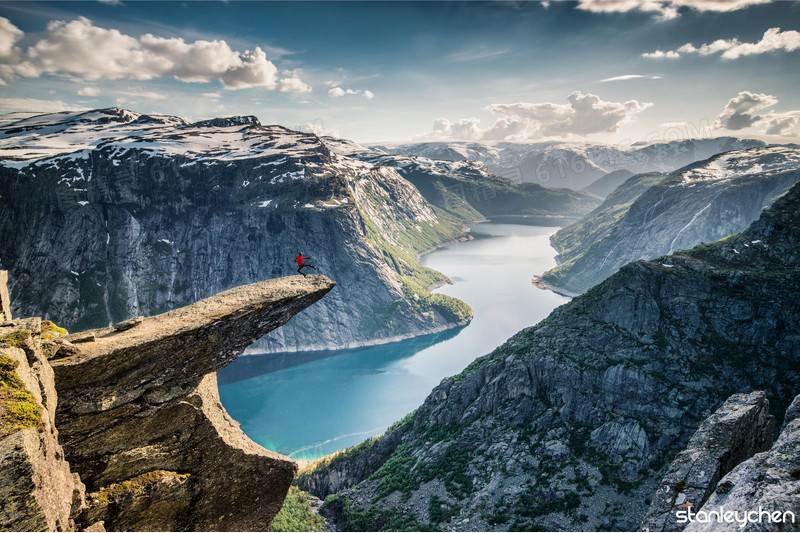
[(312, 409)]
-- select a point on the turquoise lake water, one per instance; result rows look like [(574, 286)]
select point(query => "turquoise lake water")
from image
[(312, 409)]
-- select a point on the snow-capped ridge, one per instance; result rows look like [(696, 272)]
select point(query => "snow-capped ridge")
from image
[(244, 120)]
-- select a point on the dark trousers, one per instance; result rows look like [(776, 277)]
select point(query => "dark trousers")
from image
[(301, 267)]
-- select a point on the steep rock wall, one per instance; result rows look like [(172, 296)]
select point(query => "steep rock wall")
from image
[(568, 424)]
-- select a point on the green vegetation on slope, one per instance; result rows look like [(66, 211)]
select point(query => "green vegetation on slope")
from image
[(297, 514), (18, 409)]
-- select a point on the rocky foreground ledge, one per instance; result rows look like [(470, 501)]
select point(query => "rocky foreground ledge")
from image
[(133, 413)]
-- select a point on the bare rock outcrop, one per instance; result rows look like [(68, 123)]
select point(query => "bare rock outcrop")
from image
[(37, 488), (141, 420), (133, 411), (735, 432), (5, 301), (766, 487)]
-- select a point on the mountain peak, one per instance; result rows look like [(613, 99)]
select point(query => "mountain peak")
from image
[(242, 120)]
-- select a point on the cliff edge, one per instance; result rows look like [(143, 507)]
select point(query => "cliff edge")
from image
[(140, 422)]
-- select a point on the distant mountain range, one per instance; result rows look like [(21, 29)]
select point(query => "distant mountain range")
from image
[(573, 165)]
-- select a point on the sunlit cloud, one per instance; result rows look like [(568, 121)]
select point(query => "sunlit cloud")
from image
[(83, 50), (665, 9), (583, 114), (773, 40)]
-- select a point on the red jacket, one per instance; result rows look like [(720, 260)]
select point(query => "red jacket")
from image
[(299, 260)]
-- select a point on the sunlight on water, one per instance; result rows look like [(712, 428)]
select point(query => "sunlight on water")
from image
[(313, 409)]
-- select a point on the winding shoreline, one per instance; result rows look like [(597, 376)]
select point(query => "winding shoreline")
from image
[(538, 282)]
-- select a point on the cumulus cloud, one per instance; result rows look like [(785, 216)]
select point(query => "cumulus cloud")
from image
[(783, 124), (9, 35), (742, 111), (88, 91), (82, 50), (293, 85), (583, 114), (338, 92), (773, 40), (739, 111), (665, 9), (9, 52), (660, 54)]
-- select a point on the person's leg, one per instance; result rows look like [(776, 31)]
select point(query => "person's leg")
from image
[(300, 269)]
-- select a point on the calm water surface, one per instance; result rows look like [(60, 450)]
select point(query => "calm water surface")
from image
[(317, 407)]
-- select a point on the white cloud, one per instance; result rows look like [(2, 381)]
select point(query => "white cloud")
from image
[(742, 110), (739, 111), (88, 91), (80, 49), (665, 9), (9, 52), (583, 114), (773, 40), (630, 77), (9, 35), (293, 85), (783, 123), (338, 92), (34, 105), (659, 54)]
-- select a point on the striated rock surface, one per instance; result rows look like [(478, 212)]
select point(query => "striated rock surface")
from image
[(140, 418), (734, 433), (767, 482), (571, 423), (37, 489), (703, 202)]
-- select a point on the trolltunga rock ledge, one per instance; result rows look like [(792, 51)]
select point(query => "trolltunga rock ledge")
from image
[(140, 419)]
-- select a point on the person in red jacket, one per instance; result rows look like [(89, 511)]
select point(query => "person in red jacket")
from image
[(301, 263)]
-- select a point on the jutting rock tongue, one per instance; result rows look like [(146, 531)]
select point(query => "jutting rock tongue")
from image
[(140, 418)]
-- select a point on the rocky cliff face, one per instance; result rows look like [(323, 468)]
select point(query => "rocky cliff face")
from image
[(569, 424), (574, 241), (769, 482), (140, 421), (110, 214), (37, 487), (702, 202), (734, 433)]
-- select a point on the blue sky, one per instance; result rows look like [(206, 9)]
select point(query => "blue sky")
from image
[(598, 70)]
